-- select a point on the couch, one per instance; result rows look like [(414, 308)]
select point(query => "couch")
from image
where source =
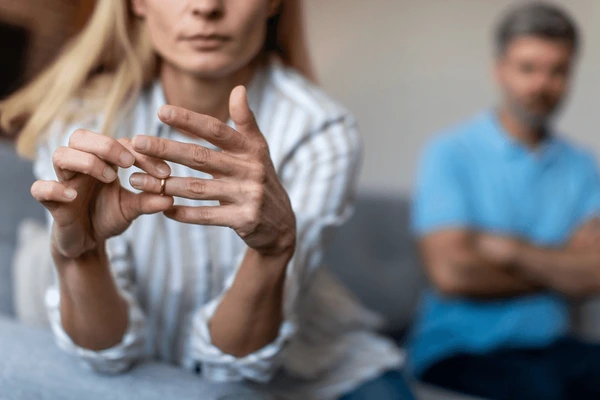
[(373, 255)]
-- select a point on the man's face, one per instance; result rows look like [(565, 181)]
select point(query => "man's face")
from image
[(533, 73)]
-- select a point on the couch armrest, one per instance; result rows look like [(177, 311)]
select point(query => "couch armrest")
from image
[(33, 367)]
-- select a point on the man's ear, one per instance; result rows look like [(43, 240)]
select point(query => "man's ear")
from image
[(274, 6), (139, 7)]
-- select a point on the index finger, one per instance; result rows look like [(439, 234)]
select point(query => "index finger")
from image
[(153, 166), (103, 147), (206, 127)]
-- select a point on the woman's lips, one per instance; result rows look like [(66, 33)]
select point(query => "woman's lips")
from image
[(207, 42)]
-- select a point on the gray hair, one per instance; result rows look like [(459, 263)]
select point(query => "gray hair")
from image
[(536, 19)]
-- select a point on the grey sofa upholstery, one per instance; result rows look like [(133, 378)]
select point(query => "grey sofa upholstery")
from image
[(374, 256), (33, 367), (16, 203)]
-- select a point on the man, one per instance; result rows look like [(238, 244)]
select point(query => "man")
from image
[(507, 218)]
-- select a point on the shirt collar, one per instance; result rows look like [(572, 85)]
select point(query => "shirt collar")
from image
[(512, 148)]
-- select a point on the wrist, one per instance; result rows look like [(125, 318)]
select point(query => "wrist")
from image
[(272, 258), (284, 247), (264, 271), (62, 257)]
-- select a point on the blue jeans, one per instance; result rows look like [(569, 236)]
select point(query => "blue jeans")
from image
[(389, 386), (567, 370)]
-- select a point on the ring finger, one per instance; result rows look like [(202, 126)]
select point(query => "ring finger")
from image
[(189, 188)]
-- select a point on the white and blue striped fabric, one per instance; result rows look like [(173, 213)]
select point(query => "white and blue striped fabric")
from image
[(175, 274)]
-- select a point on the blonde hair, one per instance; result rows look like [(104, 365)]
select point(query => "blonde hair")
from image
[(108, 63)]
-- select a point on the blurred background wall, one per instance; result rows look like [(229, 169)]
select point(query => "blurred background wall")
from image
[(408, 68), (31, 31)]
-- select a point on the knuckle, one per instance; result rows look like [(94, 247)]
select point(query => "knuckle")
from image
[(200, 155), (262, 148), (251, 217), (57, 156), (53, 191), (107, 146), (183, 115), (43, 191), (217, 128), (244, 142), (87, 164), (260, 173), (256, 193), (160, 146), (196, 187), (203, 215), (188, 214), (77, 136)]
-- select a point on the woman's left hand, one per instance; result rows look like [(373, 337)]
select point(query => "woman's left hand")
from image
[(253, 202)]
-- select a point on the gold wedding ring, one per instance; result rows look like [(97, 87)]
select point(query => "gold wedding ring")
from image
[(163, 183)]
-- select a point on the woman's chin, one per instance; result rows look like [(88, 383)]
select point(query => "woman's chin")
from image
[(210, 66)]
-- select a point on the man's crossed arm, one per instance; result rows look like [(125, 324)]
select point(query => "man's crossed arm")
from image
[(461, 262)]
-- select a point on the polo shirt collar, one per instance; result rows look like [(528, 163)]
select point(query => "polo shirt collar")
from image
[(511, 147)]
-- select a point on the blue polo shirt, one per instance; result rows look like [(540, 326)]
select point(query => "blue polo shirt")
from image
[(477, 177)]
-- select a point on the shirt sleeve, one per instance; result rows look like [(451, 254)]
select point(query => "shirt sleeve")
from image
[(122, 356), (590, 192), (319, 175), (440, 197)]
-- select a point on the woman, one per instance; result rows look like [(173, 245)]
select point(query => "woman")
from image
[(210, 260)]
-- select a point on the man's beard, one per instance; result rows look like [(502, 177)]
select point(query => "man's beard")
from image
[(533, 120)]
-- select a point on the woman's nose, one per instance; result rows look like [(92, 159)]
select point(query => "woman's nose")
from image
[(208, 8)]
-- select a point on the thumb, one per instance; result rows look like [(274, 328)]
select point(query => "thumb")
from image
[(240, 112), (136, 204)]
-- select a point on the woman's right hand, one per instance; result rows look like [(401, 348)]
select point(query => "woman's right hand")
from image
[(88, 203)]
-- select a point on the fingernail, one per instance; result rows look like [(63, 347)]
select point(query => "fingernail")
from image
[(163, 169), (141, 143), (70, 193), (110, 174), (136, 181), (127, 159), (165, 112)]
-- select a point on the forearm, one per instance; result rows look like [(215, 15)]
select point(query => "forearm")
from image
[(572, 272), (93, 313), (474, 275), (251, 312)]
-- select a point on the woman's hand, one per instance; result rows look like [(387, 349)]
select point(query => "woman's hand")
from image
[(252, 200), (87, 202)]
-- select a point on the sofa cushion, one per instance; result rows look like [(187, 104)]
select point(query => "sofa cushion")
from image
[(33, 367), (16, 203), (374, 255)]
